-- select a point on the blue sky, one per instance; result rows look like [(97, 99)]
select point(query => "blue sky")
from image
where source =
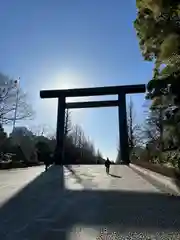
[(73, 43)]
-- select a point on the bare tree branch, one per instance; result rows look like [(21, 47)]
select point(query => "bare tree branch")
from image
[(134, 130), (8, 98), (67, 124)]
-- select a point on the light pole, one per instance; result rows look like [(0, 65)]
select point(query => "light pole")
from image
[(3, 92), (16, 82)]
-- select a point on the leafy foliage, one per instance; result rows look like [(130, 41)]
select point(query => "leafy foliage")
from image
[(158, 30)]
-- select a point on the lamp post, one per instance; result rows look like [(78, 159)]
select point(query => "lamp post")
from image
[(16, 83), (3, 92)]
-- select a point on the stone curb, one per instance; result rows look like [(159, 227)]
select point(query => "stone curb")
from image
[(166, 182)]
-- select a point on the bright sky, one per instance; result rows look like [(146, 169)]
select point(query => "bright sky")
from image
[(53, 44)]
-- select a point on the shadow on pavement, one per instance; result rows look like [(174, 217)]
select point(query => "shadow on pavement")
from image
[(44, 209), (31, 201), (116, 176), (74, 173), (80, 177)]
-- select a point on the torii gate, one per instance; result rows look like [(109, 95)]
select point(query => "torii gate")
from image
[(121, 91)]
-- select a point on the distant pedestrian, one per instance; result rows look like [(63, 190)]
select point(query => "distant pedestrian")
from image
[(107, 165)]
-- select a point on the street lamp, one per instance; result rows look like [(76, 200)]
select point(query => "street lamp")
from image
[(3, 92), (16, 85)]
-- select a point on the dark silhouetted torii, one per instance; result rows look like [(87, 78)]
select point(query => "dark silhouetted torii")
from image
[(121, 91)]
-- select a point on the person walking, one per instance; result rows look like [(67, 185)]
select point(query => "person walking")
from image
[(107, 165)]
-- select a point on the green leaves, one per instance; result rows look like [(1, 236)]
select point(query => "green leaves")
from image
[(169, 47), (158, 29)]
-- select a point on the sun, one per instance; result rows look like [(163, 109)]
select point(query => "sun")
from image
[(66, 79)]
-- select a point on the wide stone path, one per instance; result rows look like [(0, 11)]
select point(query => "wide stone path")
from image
[(83, 203)]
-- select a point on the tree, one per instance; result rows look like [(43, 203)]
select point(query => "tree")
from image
[(153, 133), (3, 138), (83, 148), (88, 151), (158, 30), (38, 130), (118, 158), (152, 129), (67, 125), (43, 152), (130, 122), (9, 93), (157, 27), (77, 136), (134, 132), (23, 138), (99, 157), (133, 128)]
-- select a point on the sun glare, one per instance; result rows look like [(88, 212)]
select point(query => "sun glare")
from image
[(67, 79)]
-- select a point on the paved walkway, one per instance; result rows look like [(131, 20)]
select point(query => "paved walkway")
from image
[(83, 203)]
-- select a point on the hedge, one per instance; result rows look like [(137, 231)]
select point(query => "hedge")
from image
[(166, 171)]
